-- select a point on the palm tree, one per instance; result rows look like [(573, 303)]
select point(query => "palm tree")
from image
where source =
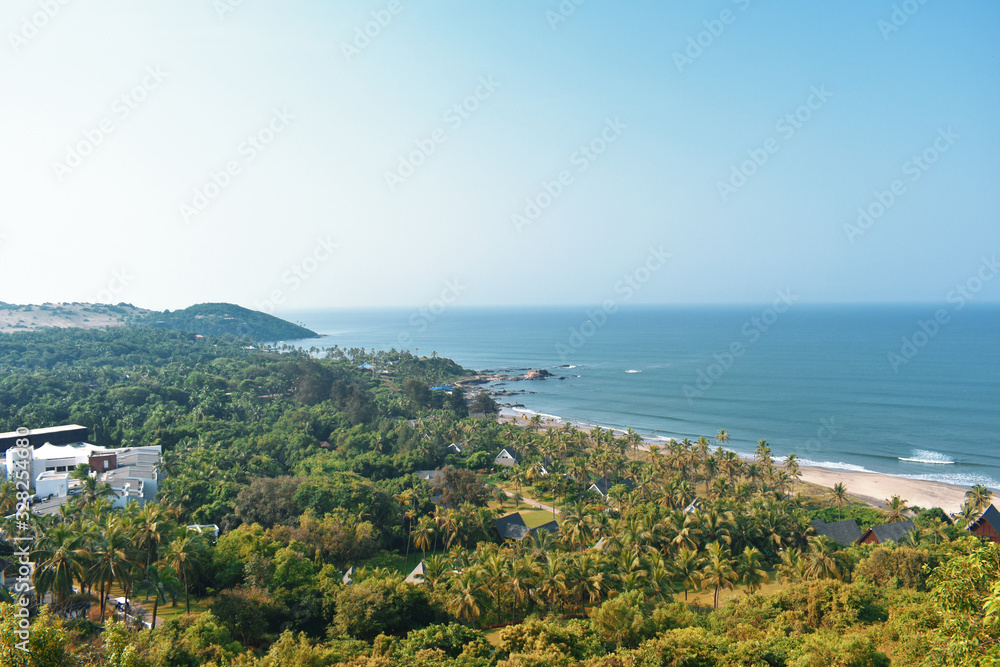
[(720, 487), (711, 468), (792, 567), (915, 538), (748, 566), (825, 560), (715, 526), (151, 525), (112, 561), (576, 528), (552, 579), (763, 454), (465, 604), (939, 529), (535, 423), (683, 494), (732, 465), (541, 541), (686, 532), (494, 571), (68, 512), (8, 498), (450, 527), (701, 448), (61, 558), (839, 497), (182, 556), (423, 534), (408, 498), (519, 477), (722, 437), (634, 440), (521, 577), (718, 570), (895, 509), (436, 569), (792, 466), (979, 496), (659, 576), (687, 567), (968, 514), (160, 583), (588, 579), (92, 492), (80, 472)]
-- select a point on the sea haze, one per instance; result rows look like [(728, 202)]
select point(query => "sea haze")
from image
[(834, 384)]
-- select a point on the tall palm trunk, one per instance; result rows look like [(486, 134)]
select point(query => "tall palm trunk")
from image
[(129, 587), (406, 559), (102, 599), (187, 598)]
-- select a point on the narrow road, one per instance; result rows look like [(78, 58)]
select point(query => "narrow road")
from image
[(533, 503)]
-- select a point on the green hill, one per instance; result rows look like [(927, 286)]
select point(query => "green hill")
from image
[(207, 319), (217, 319)]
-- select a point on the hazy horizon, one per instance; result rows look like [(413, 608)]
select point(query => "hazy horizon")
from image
[(296, 156)]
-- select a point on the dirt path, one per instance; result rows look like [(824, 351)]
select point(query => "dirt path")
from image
[(533, 503)]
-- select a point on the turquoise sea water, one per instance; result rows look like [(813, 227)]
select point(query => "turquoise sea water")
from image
[(888, 389)]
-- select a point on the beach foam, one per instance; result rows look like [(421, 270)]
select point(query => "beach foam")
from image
[(531, 413), (967, 479), (834, 465), (927, 456)]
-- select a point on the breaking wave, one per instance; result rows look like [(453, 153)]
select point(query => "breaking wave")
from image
[(927, 456)]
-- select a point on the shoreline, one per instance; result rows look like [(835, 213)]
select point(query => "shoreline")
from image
[(873, 488)]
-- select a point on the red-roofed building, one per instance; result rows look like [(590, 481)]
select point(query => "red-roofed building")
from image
[(987, 525)]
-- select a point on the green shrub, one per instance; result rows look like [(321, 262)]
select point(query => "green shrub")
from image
[(895, 567)]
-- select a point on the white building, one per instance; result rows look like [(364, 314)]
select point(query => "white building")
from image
[(508, 456), (52, 483), (48, 457), (134, 473)]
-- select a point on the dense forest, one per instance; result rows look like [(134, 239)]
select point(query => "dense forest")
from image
[(313, 464)]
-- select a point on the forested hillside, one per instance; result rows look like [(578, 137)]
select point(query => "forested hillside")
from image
[(308, 463), (219, 319), (215, 319)]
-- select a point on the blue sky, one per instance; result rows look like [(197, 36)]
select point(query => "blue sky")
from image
[(251, 152)]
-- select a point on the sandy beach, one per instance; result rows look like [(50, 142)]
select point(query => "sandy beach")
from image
[(875, 488), (872, 487)]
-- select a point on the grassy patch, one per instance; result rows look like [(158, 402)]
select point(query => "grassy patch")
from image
[(705, 597), (535, 518), (168, 611), (493, 636)]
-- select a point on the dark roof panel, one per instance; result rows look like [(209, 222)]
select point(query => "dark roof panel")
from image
[(552, 527), (603, 485), (512, 527), (892, 532), (844, 532), (990, 516)]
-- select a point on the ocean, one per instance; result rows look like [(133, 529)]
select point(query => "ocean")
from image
[(903, 390)]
